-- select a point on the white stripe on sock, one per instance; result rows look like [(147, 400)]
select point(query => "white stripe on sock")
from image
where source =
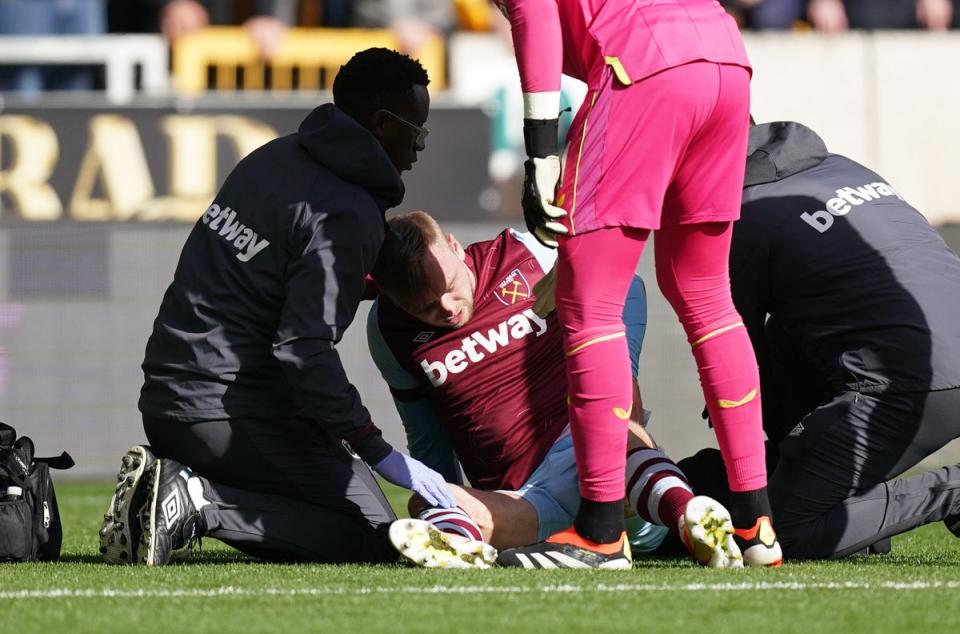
[(659, 488), (454, 521), (637, 460)]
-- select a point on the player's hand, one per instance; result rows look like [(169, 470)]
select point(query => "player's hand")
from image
[(412, 474), (541, 176), (545, 293)]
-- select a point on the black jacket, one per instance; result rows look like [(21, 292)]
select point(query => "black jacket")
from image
[(268, 281), (854, 280)]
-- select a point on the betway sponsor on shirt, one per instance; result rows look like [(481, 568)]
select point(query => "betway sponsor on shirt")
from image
[(223, 221), (477, 345), (846, 200)]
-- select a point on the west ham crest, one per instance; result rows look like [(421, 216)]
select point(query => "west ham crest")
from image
[(514, 288)]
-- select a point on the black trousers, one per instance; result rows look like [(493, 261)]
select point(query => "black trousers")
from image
[(832, 479), (281, 490)]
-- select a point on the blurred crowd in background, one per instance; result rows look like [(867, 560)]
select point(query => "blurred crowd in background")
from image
[(412, 21), (836, 16), (266, 20)]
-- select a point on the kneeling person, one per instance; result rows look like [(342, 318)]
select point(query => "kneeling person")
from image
[(851, 299), (479, 381), (258, 439)]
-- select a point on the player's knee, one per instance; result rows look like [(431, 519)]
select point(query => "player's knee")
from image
[(669, 288), (576, 342), (699, 304), (578, 321)]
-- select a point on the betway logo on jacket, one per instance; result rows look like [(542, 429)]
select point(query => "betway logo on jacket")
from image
[(224, 222), (847, 198), (476, 346)]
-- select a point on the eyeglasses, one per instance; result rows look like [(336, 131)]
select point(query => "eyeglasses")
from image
[(422, 131)]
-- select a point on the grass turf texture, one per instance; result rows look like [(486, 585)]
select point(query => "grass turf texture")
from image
[(916, 588)]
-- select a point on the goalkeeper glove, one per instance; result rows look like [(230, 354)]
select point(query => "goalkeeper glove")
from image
[(541, 176)]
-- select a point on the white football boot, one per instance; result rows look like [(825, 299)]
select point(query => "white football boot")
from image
[(707, 531), (421, 543)]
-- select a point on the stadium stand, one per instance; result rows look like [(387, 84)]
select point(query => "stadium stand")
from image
[(225, 58), (836, 16), (474, 15), (39, 18), (119, 54)]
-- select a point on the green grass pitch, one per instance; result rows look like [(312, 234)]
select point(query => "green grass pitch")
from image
[(915, 589)]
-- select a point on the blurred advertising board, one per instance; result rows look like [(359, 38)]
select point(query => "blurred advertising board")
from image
[(164, 162)]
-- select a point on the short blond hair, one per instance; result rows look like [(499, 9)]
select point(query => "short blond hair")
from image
[(401, 271)]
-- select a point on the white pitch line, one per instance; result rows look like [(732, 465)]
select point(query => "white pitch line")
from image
[(229, 591)]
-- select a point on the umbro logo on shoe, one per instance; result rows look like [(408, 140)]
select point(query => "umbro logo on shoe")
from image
[(171, 509)]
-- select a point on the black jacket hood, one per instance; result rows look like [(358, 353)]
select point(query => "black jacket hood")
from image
[(350, 151), (780, 149)]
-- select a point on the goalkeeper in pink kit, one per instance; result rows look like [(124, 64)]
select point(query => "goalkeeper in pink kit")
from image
[(658, 145)]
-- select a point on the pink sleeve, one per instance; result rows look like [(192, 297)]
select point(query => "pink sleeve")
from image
[(538, 43)]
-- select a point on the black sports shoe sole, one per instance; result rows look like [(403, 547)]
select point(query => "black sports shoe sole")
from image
[(120, 531)]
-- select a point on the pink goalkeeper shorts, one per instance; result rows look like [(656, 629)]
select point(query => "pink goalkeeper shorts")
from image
[(670, 148)]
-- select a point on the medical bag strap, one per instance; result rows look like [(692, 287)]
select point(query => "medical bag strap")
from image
[(63, 461)]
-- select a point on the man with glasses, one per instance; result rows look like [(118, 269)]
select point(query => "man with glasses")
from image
[(421, 130), (257, 437)]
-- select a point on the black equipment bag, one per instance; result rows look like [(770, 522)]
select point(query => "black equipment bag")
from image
[(30, 528)]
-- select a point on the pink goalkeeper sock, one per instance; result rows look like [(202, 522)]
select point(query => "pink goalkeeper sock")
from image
[(731, 387), (600, 392), (693, 273), (594, 271)]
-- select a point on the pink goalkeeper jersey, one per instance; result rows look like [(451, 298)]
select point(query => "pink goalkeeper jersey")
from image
[(636, 37), (498, 383)]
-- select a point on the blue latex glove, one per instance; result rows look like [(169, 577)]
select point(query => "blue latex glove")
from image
[(408, 473)]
